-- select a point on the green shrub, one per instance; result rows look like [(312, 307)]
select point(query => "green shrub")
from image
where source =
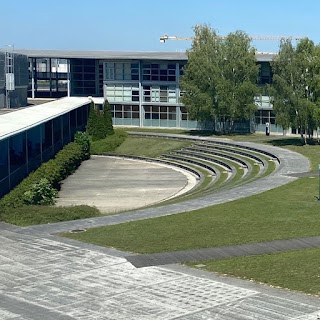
[(55, 170), (82, 138), (40, 193)]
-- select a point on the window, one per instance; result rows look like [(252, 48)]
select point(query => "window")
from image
[(159, 72), (121, 71), (164, 94), (122, 93)]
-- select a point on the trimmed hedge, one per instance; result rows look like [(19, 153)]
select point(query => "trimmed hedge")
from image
[(55, 170)]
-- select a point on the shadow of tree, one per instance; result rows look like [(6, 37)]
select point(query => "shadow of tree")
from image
[(291, 142)]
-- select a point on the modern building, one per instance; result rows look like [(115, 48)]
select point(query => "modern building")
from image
[(34, 135), (141, 87), (14, 79)]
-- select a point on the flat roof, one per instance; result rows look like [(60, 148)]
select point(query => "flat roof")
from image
[(115, 55), (119, 55), (23, 119)]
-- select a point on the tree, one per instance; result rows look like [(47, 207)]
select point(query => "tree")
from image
[(92, 120), (219, 81), (107, 115), (295, 88), (99, 121)]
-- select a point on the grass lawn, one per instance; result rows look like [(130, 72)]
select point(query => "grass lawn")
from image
[(149, 147), (30, 215), (262, 217), (295, 270)]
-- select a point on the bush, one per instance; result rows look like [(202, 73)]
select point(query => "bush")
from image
[(55, 170), (41, 193), (82, 138)]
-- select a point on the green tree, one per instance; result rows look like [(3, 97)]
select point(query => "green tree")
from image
[(107, 115), (219, 81), (295, 88), (92, 120)]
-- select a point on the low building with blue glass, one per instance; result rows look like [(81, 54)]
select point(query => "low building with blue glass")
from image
[(34, 135)]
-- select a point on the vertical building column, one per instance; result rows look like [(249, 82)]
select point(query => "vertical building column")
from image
[(33, 65), (68, 77), (178, 114), (141, 113), (50, 77)]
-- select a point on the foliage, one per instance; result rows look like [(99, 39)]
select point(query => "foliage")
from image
[(295, 90), (40, 193), (219, 81), (55, 170), (92, 120), (99, 121), (107, 115), (31, 215), (110, 143), (82, 138)]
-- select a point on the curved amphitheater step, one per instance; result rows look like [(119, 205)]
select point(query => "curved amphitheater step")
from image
[(291, 164)]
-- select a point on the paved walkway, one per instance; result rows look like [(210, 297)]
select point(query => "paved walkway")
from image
[(43, 276), (247, 249)]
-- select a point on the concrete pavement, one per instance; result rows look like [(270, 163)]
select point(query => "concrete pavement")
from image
[(114, 184)]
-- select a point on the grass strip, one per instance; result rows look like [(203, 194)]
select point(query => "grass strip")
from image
[(295, 270), (31, 215)]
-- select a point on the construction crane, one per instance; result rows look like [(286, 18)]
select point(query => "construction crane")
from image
[(165, 37)]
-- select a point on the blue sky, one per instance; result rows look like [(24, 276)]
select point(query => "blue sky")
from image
[(136, 25)]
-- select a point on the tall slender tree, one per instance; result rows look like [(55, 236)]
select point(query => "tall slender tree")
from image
[(107, 116)]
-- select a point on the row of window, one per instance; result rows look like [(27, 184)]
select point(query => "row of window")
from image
[(170, 113), (130, 93), (165, 72), (150, 112)]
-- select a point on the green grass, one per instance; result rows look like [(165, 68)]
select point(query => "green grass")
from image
[(31, 215), (149, 147), (262, 217), (157, 130), (110, 143), (295, 270)]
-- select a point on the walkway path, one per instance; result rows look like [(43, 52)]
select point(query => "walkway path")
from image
[(247, 249)]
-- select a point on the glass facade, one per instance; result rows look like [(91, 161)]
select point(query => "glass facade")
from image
[(22, 153), (83, 77), (141, 92)]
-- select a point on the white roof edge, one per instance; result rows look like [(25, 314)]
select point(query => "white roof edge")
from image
[(24, 119)]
